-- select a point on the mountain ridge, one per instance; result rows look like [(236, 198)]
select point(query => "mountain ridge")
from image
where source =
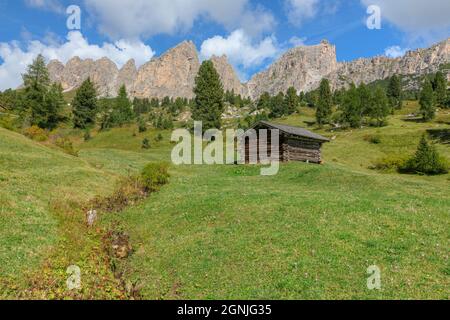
[(173, 73)]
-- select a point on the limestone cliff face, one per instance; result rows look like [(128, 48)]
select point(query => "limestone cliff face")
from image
[(228, 76), (173, 74), (301, 68), (127, 76), (418, 62)]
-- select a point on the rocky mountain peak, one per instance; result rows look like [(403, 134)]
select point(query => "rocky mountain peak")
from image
[(229, 78)]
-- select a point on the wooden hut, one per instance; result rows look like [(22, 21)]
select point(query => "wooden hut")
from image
[(296, 144)]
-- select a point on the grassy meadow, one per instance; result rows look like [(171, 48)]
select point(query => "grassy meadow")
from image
[(225, 232)]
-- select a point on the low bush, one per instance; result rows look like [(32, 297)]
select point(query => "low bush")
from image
[(145, 144), (66, 145), (389, 163), (374, 139), (36, 133), (154, 175)]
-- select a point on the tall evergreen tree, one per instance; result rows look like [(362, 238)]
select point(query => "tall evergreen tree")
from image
[(85, 105), (291, 101), (54, 107), (324, 103), (395, 92), (122, 110), (209, 97), (426, 101), (351, 107), (379, 109), (277, 106), (264, 101), (365, 100), (37, 82), (440, 89)]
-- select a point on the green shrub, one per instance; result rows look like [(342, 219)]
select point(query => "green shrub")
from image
[(142, 126), (374, 139), (159, 138), (426, 161), (145, 144), (36, 133), (155, 175), (389, 163), (66, 145), (87, 135)]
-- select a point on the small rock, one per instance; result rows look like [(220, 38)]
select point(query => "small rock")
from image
[(91, 217)]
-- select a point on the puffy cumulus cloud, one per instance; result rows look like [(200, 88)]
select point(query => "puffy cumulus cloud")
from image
[(415, 15), (16, 59), (395, 52), (51, 5), (145, 18), (301, 10), (242, 52)]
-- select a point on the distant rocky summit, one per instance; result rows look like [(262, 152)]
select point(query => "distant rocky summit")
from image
[(173, 74)]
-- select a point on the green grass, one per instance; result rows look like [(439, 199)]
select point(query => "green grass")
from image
[(32, 176), (219, 232)]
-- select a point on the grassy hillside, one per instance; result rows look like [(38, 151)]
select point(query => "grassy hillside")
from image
[(221, 232), (33, 180)]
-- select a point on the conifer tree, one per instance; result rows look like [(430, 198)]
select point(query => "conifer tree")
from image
[(351, 107), (54, 107), (264, 101), (277, 105), (209, 97), (37, 82), (122, 111), (427, 106), (85, 105), (426, 160), (380, 108), (440, 89), (395, 92), (324, 104), (291, 101)]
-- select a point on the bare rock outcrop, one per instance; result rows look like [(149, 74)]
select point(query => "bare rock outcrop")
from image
[(173, 74), (302, 68), (228, 76)]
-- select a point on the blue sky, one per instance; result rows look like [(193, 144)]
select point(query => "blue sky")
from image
[(252, 33)]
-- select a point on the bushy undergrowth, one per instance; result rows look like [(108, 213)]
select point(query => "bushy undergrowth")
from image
[(155, 175), (37, 134), (374, 139), (132, 189), (389, 163)]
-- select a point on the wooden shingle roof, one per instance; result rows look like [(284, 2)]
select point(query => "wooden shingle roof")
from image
[(296, 131)]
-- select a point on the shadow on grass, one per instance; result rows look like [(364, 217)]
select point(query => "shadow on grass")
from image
[(442, 135)]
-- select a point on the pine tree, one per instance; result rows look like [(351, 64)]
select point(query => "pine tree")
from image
[(209, 97), (395, 92), (380, 108), (427, 107), (264, 101), (277, 106), (324, 104), (291, 101), (54, 107), (351, 107), (122, 111), (85, 105), (440, 89), (426, 160), (365, 100)]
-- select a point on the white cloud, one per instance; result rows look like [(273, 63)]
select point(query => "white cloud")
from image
[(145, 18), (301, 10), (51, 5), (15, 59), (297, 42), (241, 51), (415, 15), (395, 52)]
